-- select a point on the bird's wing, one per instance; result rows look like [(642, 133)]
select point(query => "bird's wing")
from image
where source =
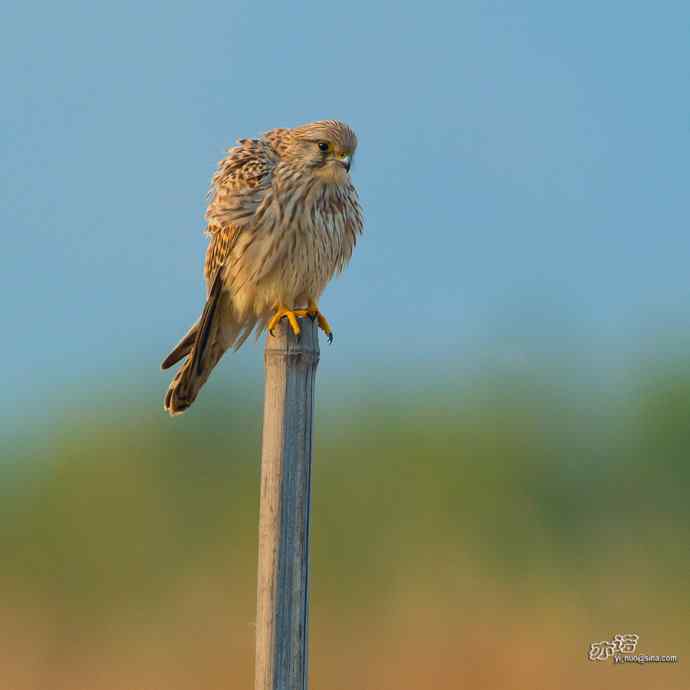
[(221, 242), (238, 189)]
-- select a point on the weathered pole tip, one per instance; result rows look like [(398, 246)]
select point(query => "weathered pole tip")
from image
[(284, 342)]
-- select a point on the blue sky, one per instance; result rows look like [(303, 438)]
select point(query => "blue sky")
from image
[(523, 169)]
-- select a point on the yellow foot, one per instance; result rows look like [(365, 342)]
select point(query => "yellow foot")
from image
[(291, 315), (312, 311)]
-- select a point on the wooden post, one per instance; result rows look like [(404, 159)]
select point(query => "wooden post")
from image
[(282, 618)]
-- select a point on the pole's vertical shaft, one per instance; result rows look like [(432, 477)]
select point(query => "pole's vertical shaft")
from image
[(282, 622)]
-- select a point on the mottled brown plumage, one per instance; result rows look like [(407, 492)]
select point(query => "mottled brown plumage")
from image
[(283, 218)]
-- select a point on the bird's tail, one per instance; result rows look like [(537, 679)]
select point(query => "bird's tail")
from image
[(203, 347)]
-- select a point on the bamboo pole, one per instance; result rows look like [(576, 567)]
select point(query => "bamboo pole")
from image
[(282, 620)]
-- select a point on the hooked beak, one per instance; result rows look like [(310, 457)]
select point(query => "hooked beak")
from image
[(345, 160)]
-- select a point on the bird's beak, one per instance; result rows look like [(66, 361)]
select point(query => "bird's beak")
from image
[(346, 160)]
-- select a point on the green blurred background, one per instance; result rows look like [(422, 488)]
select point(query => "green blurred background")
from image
[(502, 441), (473, 531)]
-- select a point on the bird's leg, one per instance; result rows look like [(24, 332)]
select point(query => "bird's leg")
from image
[(312, 311), (290, 314)]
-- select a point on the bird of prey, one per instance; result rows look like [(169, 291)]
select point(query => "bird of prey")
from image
[(283, 218)]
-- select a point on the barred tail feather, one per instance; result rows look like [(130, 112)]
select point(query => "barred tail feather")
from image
[(186, 385), (182, 349), (204, 346)]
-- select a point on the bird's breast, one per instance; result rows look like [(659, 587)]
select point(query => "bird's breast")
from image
[(303, 236)]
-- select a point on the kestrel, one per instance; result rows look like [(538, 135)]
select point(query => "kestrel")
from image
[(283, 219)]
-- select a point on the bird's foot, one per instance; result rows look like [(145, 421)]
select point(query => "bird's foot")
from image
[(291, 315), (312, 311)]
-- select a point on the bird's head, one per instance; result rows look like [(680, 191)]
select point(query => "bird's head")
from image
[(326, 147)]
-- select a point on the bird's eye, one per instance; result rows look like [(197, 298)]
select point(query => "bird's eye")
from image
[(323, 146)]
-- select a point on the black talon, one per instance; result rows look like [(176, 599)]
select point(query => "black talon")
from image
[(330, 338)]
